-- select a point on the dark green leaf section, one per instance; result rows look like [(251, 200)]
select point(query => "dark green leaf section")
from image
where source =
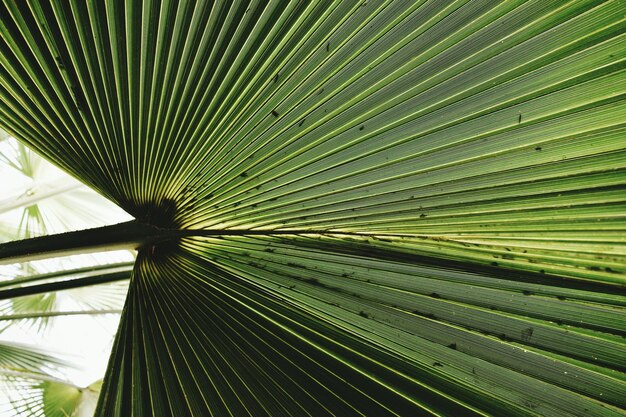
[(505, 335), (453, 176), (246, 352)]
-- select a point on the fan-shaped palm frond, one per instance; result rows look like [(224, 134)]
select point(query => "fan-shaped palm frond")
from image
[(343, 208), (16, 357), (21, 367), (34, 391)]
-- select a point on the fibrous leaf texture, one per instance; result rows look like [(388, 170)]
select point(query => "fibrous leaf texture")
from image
[(422, 202)]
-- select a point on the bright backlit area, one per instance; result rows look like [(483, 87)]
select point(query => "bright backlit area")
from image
[(54, 346)]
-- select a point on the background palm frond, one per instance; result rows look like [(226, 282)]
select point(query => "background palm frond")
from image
[(39, 199)]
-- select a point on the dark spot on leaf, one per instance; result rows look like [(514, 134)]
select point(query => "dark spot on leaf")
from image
[(427, 315), (320, 91), (422, 215), (519, 119), (301, 122), (538, 148), (274, 113), (270, 250), (362, 127), (243, 174), (327, 46), (527, 334), (276, 77), (452, 346), (294, 265), (435, 295), (437, 364), (364, 314), (314, 281), (593, 268), (529, 404), (526, 292), (79, 99), (561, 297)]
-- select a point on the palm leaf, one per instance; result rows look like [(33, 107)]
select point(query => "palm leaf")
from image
[(55, 398), (362, 208), (63, 400), (19, 357), (25, 377), (21, 367)]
